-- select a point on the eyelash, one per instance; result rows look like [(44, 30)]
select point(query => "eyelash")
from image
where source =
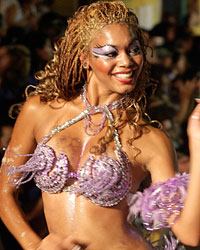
[(134, 51), (111, 54)]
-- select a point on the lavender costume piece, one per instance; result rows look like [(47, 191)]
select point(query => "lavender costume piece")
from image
[(156, 204), (104, 181), (159, 202)]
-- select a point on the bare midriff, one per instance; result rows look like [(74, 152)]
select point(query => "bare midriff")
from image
[(91, 225)]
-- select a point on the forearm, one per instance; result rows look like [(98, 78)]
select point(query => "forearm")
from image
[(187, 226), (14, 219)]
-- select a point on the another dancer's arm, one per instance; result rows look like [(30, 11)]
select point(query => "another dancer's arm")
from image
[(187, 226)]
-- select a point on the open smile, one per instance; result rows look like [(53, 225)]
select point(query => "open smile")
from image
[(124, 77)]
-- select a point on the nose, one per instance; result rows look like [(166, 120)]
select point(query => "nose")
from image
[(125, 60)]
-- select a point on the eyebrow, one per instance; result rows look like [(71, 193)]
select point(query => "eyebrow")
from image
[(132, 41), (106, 45), (115, 46)]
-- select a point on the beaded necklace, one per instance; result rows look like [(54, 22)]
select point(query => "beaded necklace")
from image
[(88, 124)]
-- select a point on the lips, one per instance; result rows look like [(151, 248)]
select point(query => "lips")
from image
[(124, 77)]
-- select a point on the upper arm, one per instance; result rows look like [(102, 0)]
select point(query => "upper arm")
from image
[(23, 136), (22, 141), (162, 161)]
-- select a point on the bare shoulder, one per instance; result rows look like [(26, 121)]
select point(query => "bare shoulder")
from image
[(157, 138), (153, 140), (157, 153), (31, 111), (31, 119), (36, 110), (42, 116), (33, 105)]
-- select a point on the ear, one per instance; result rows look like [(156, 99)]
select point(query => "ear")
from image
[(84, 60)]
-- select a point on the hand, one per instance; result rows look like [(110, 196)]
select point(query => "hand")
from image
[(193, 128), (57, 242)]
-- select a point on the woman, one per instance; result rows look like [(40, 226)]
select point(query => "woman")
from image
[(87, 144)]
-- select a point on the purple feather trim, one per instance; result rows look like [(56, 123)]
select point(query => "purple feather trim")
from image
[(172, 243), (167, 242), (158, 202), (26, 172)]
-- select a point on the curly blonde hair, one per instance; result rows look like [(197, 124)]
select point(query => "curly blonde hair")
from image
[(64, 76)]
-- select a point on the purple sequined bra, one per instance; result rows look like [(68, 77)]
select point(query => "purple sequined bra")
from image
[(104, 181)]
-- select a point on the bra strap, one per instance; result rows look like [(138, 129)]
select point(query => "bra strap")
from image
[(80, 117), (111, 122), (63, 126)]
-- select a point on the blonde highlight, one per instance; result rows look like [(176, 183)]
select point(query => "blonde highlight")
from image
[(64, 76)]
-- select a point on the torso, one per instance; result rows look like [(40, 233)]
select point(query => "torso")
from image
[(70, 214)]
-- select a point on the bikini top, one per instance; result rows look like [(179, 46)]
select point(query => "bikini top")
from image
[(104, 181)]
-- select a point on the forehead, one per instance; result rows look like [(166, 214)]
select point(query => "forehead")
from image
[(114, 34)]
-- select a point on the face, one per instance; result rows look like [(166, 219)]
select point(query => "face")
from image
[(115, 59)]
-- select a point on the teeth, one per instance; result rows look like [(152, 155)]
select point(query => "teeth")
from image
[(124, 76)]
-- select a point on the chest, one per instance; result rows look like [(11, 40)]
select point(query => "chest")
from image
[(73, 142)]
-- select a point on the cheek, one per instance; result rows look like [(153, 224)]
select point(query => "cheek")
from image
[(140, 63), (102, 66)]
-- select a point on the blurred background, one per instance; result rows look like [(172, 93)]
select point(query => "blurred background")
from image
[(28, 31)]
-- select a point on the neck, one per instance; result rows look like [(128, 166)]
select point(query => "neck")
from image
[(98, 97), (110, 102), (105, 109)]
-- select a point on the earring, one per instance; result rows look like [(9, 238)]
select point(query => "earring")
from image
[(85, 66)]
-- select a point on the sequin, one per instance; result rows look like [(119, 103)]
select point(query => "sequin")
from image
[(104, 181)]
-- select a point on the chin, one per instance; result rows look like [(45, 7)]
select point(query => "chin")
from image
[(126, 88)]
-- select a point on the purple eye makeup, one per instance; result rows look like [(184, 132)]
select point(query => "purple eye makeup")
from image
[(107, 51), (134, 48), (110, 51), (134, 44)]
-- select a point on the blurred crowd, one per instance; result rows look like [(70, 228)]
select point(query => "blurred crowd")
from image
[(28, 31), (174, 64)]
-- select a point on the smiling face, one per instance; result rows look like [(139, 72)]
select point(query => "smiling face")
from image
[(115, 59)]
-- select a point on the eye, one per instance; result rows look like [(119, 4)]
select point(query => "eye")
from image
[(106, 52), (111, 54), (134, 51)]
